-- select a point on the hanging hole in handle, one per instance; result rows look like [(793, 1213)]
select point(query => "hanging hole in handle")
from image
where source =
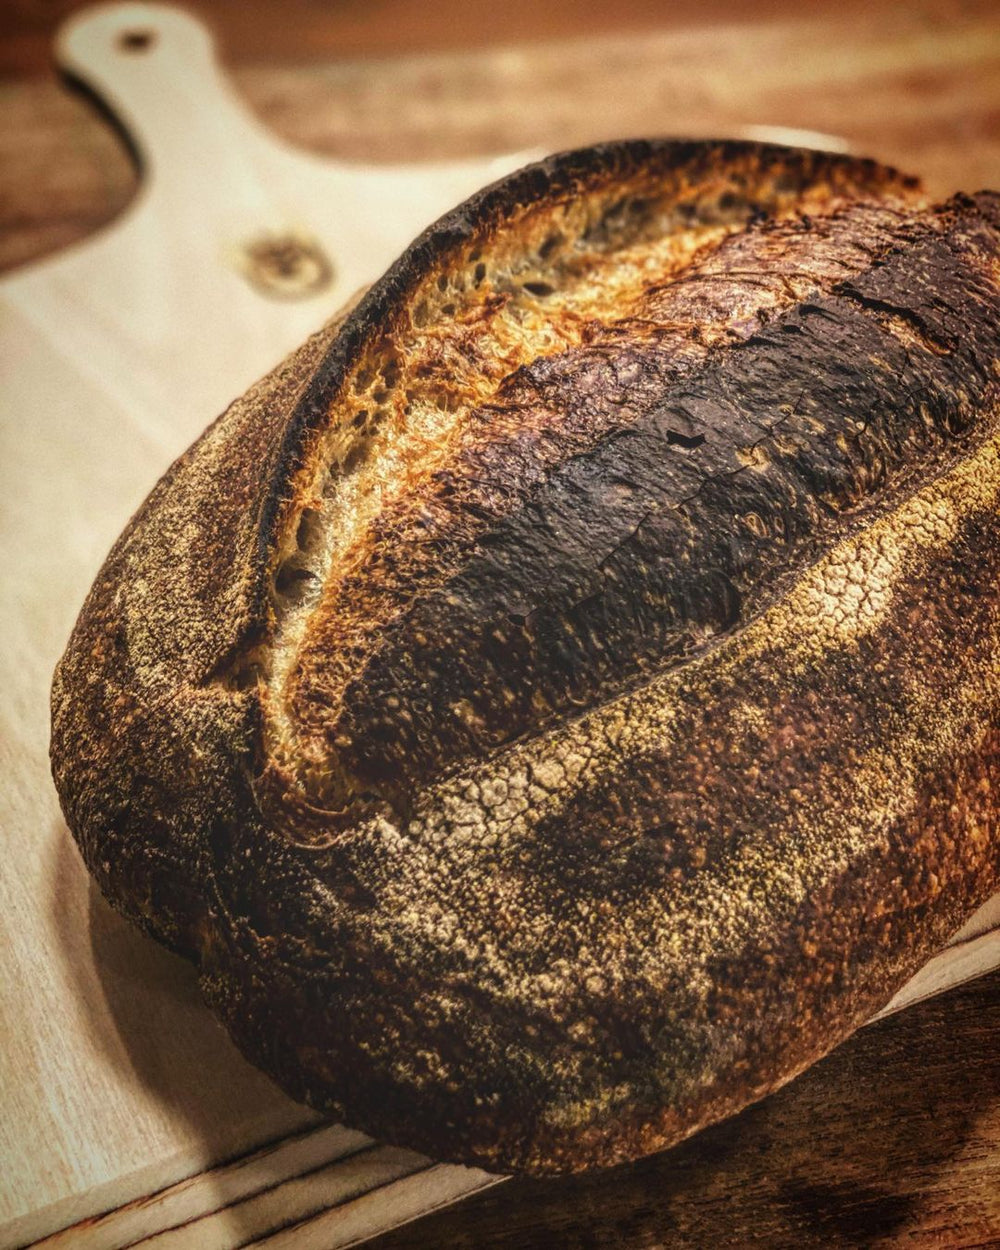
[(136, 41), (288, 265)]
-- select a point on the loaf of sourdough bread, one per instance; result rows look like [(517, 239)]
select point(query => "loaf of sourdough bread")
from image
[(561, 701)]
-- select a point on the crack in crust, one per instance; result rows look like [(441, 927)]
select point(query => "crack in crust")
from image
[(561, 701)]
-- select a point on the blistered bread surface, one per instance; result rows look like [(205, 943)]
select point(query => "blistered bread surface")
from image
[(560, 702)]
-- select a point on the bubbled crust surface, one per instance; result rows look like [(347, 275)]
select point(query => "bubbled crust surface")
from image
[(561, 702)]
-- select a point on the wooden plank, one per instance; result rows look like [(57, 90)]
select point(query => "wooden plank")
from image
[(356, 1222), (299, 29), (213, 1194)]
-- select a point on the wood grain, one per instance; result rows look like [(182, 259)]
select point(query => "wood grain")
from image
[(914, 85), (256, 30)]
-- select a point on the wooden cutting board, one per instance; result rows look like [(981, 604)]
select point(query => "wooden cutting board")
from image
[(127, 1116)]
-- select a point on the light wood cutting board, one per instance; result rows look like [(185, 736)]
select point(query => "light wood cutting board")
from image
[(126, 1116)]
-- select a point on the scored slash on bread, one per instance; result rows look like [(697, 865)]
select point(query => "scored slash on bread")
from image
[(560, 702)]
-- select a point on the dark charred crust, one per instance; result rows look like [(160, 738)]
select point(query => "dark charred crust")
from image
[(644, 548), (666, 740), (558, 177)]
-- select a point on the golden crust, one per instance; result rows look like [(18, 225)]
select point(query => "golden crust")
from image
[(561, 701)]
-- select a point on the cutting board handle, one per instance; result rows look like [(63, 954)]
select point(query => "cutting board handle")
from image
[(230, 195), (155, 68)]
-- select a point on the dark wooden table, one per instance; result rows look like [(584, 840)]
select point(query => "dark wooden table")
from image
[(894, 1138)]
